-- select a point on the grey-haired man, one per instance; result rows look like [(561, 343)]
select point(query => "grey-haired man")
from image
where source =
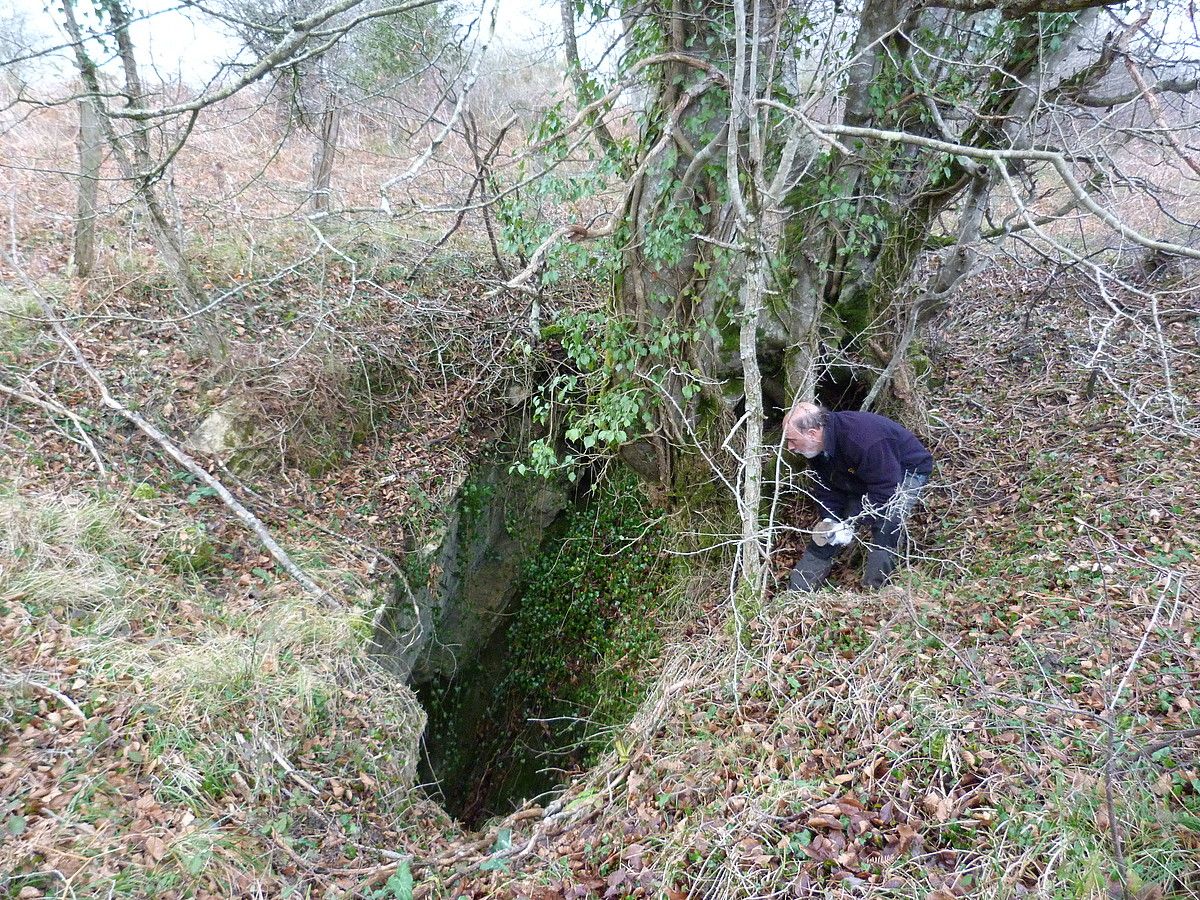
[(865, 466)]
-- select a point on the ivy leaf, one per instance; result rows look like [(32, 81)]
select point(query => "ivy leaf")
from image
[(503, 842), (199, 494), (400, 885)]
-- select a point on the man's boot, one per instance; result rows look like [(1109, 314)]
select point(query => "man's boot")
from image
[(881, 557), (880, 563), (810, 572)]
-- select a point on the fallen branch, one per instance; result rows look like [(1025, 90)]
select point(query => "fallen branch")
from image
[(58, 409), (17, 681), (172, 450)]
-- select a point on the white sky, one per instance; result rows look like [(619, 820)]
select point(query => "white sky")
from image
[(188, 47)]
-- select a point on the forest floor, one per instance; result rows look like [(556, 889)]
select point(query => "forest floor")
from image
[(1015, 715)]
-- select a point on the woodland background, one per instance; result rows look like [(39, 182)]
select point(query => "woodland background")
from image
[(258, 333)]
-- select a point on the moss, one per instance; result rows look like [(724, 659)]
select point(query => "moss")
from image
[(854, 313), (587, 606), (921, 364), (585, 625), (188, 550)]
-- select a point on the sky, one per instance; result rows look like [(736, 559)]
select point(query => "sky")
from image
[(187, 48)]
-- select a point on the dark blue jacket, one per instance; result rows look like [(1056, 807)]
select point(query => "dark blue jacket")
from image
[(865, 454)]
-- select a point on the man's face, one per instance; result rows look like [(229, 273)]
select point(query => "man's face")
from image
[(809, 443)]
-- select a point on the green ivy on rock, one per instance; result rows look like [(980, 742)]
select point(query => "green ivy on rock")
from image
[(587, 616)]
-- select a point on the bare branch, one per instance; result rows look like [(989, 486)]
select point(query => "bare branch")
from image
[(1016, 8), (1058, 160), (286, 52)]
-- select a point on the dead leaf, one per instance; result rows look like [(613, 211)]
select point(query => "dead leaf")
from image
[(156, 847), (908, 837)]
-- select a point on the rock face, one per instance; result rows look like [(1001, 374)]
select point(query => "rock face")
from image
[(497, 521), (226, 433)]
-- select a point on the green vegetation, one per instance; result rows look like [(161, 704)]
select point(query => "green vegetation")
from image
[(19, 329), (589, 620), (614, 379), (591, 607)]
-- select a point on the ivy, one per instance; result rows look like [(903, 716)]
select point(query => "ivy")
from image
[(588, 609), (607, 391)]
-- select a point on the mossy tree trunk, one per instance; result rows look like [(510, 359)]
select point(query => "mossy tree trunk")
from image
[(858, 213), (785, 191)]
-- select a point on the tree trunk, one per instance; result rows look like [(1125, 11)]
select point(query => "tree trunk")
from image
[(90, 157), (323, 159), (138, 167)]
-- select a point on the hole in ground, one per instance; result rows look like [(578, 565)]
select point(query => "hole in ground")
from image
[(523, 715), (480, 755), (841, 390)]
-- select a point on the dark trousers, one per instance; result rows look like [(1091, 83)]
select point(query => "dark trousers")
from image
[(814, 566)]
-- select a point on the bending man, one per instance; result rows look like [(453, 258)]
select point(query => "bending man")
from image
[(861, 462)]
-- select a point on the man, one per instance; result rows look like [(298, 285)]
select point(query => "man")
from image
[(866, 467)]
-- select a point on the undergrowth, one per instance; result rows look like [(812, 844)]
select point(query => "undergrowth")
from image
[(588, 623), (592, 608), (159, 707)]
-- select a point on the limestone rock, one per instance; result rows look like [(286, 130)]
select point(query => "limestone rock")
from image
[(226, 433)]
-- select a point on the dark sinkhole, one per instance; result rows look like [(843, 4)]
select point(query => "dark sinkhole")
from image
[(484, 750), (526, 647), (840, 389)]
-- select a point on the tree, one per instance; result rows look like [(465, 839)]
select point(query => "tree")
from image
[(797, 161)]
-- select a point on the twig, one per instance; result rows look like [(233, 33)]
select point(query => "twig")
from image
[(573, 232), (1175, 738), (289, 768), (55, 408), (1137, 654), (24, 680), (1156, 107), (459, 107), (997, 157)]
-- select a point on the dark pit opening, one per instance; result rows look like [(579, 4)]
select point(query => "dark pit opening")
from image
[(527, 708), (480, 755)]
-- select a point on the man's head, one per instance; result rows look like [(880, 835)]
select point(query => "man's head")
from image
[(804, 429)]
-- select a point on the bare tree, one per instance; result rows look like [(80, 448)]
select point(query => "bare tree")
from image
[(90, 158)]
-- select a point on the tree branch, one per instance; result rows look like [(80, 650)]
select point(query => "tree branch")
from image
[(1169, 86), (58, 409), (1014, 9), (243, 514), (283, 53), (998, 157)]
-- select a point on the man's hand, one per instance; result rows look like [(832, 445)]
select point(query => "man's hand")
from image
[(831, 532)]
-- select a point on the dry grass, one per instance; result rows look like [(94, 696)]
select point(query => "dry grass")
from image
[(846, 751), (140, 709)]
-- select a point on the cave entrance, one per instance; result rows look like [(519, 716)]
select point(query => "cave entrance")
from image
[(519, 685), (841, 390), (481, 755), (838, 388)]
